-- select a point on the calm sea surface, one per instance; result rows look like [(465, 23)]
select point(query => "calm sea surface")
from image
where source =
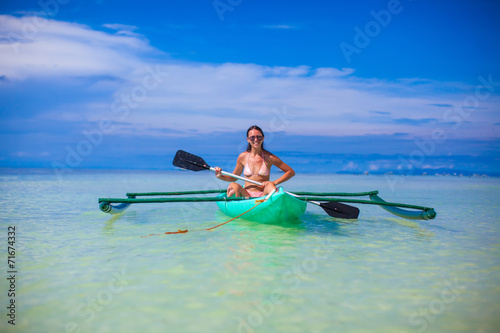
[(78, 269)]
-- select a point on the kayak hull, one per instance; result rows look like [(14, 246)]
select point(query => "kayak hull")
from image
[(280, 207)]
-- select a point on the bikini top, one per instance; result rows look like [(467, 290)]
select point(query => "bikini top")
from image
[(264, 171)]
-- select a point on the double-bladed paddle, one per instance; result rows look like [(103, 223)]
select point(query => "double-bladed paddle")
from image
[(192, 162)]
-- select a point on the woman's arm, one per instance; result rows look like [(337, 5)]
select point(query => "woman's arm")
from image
[(289, 173), (238, 169)]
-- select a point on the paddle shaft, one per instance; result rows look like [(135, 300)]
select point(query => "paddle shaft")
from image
[(259, 184), (238, 177)]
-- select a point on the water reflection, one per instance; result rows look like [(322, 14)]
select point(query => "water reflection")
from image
[(420, 233)]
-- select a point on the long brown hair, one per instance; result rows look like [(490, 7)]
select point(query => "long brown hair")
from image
[(255, 127)]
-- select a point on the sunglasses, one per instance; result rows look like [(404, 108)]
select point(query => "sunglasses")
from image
[(256, 137)]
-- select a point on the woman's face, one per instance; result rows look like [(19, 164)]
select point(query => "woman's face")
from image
[(255, 138)]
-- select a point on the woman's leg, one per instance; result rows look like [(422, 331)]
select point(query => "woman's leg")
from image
[(268, 189), (237, 190)]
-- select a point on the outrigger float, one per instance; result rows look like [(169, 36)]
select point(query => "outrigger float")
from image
[(279, 206)]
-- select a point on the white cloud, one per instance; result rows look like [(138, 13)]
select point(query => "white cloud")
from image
[(280, 26), (123, 29), (333, 72), (37, 47), (222, 97), (350, 166)]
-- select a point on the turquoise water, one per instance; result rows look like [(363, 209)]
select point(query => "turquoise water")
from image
[(81, 270)]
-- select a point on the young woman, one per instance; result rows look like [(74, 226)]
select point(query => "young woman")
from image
[(255, 163)]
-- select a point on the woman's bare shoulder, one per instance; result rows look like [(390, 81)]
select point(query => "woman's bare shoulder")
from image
[(268, 156), (274, 159), (242, 156)]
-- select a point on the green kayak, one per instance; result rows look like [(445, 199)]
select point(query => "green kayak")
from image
[(280, 207)]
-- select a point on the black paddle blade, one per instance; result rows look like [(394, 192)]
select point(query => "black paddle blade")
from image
[(189, 161), (340, 210)]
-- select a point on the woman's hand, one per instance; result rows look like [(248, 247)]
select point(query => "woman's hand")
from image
[(264, 184), (218, 172)]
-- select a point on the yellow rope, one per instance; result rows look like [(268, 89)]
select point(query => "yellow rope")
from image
[(257, 202)]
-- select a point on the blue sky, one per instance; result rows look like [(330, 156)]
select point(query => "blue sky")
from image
[(338, 86)]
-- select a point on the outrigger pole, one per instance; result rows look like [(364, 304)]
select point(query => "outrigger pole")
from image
[(332, 206), (419, 213)]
